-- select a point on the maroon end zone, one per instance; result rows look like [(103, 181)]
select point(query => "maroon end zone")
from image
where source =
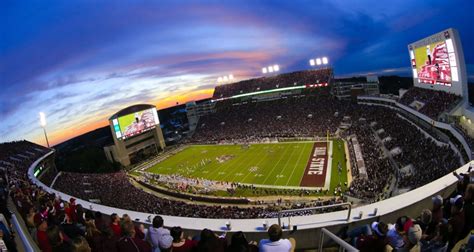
[(315, 172)]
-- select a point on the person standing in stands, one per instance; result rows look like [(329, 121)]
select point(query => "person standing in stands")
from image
[(437, 210), (41, 236), (115, 225), (468, 209), (456, 222)]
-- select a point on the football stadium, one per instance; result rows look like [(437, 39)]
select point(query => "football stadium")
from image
[(297, 160)]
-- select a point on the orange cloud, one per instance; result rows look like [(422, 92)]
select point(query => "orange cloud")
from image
[(57, 137)]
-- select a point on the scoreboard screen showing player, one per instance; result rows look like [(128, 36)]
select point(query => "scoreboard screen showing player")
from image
[(437, 63), (433, 60), (135, 123)]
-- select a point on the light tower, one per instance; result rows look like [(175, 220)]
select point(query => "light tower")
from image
[(43, 125), (319, 61)]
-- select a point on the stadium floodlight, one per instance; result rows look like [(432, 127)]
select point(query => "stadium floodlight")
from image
[(270, 69), (325, 60), (42, 119), (225, 78), (43, 125), (318, 61), (264, 70), (231, 76), (311, 62), (219, 80), (276, 68)]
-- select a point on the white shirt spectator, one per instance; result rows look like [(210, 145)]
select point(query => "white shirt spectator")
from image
[(282, 245)]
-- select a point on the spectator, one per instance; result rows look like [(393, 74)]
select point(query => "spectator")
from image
[(239, 243), (275, 242), (42, 237), (396, 234), (93, 236), (115, 224), (427, 225), (439, 243), (210, 242), (376, 241), (437, 210), (456, 222), (129, 243), (180, 244), (468, 209), (158, 236), (70, 229), (57, 241), (80, 244), (413, 242), (99, 221)]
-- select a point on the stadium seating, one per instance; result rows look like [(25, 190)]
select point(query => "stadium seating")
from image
[(435, 102), (299, 78)]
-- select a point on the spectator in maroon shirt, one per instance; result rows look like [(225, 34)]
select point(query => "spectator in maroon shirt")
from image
[(115, 225), (130, 243), (180, 244), (376, 241), (41, 236)]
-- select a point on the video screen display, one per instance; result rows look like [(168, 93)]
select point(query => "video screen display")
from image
[(434, 63), (135, 123)]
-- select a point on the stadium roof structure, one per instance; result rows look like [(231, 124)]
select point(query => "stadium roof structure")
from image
[(131, 109)]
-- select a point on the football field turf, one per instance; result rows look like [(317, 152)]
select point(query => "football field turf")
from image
[(281, 164)]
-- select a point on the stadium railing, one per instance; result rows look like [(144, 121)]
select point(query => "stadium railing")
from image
[(316, 208), (28, 244), (343, 245)]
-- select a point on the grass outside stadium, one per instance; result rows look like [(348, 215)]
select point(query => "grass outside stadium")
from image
[(275, 168)]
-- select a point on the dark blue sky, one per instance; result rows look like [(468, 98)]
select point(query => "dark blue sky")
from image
[(81, 61)]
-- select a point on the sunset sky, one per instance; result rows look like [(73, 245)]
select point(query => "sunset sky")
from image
[(81, 61)]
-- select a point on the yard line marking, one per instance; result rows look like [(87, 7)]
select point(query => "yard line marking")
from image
[(268, 175), (255, 165), (297, 163), (240, 165), (280, 175)]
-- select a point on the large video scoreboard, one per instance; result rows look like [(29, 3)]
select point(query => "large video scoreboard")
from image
[(135, 123), (437, 63)]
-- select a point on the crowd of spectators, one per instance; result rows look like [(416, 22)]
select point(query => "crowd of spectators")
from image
[(376, 164), (430, 159), (294, 116), (435, 102), (315, 115), (299, 78), (91, 187), (60, 226), (444, 227)]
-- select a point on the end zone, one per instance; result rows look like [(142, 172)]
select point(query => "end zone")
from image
[(316, 173)]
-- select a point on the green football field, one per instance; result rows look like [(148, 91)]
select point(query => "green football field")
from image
[(281, 164)]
